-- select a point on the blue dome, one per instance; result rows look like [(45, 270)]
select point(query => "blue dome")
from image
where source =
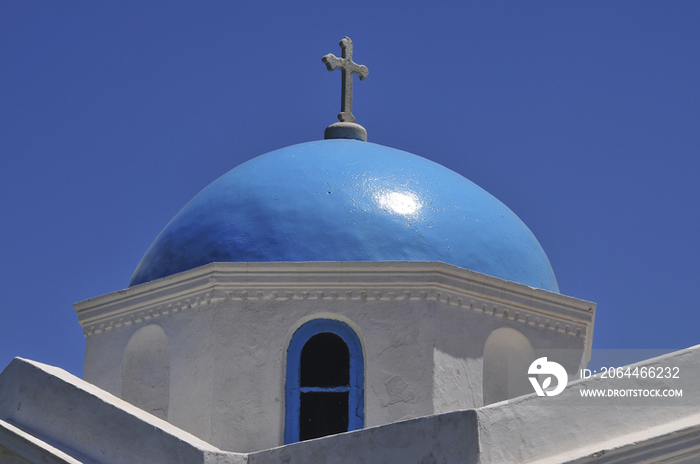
[(347, 200)]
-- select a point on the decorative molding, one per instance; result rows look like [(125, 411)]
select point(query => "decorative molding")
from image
[(142, 314), (219, 283)]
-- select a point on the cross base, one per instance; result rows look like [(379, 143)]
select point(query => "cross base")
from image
[(345, 130)]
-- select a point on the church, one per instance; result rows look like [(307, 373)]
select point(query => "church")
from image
[(343, 301)]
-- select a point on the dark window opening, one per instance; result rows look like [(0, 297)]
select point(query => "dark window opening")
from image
[(325, 362), (322, 413), (324, 381)]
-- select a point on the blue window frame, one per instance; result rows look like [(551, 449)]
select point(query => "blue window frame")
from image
[(324, 391)]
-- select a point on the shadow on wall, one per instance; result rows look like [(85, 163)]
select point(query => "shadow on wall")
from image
[(146, 371)]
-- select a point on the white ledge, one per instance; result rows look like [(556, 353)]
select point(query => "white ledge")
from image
[(327, 280), (45, 401)]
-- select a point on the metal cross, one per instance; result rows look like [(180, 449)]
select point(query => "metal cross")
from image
[(349, 68)]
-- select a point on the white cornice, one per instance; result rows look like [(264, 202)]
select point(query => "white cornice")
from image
[(218, 282)]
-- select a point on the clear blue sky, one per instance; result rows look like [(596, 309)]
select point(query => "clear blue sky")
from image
[(582, 117)]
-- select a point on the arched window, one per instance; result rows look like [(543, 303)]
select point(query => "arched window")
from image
[(325, 376)]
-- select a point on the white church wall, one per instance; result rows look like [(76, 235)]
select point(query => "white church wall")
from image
[(473, 344), (457, 351), (188, 332), (550, 430), (456, 382), (248, 412), (48, 415), (192, 368), (399, 337), (146, 371), (422, 326), (572, 428), (247, 386), (448, 438), (89, 424), (104, 355)]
